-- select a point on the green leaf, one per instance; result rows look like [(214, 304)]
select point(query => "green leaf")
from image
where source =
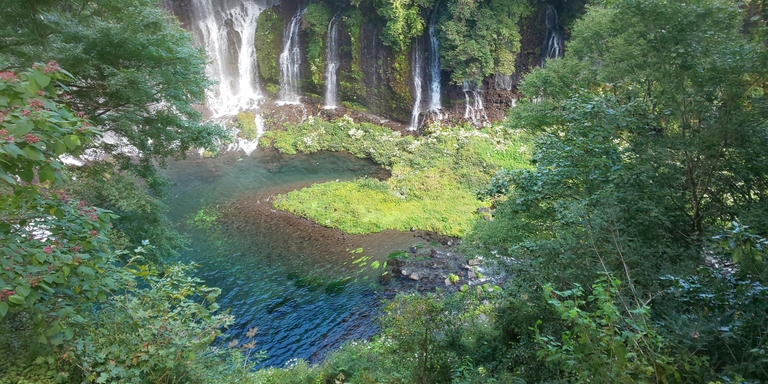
[(13, 150), (3, 308), (16, 299), (40, 257), (46, 173), (23, 291), (22, 127), (71, 141), (58, 147), (26, 173), (86, 271), (34, 153), (42, 79), (58, 213), (7, 179)]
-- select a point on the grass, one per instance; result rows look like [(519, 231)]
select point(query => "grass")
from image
[(433, 183)]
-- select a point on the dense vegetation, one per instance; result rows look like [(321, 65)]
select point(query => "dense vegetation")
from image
[(635, 237), (476, 40), (433, 181)]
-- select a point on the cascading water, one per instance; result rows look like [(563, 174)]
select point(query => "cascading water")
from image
[(226, 29), (553, 46), (290, 62), (474, 110), (434, 67), (504, 82), (332, 64), (417, 67)]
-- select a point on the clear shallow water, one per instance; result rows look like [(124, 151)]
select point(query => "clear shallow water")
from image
[(278, 272)]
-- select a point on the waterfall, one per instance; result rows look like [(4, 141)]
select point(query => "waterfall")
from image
[(504, 82), (290, 62), (332, 64), (249, 146), (553, 46), (474, 111), (226, 29), (417, 66), (434, 66)]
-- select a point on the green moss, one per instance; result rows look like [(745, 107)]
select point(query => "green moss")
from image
[(315, 24), (354, 106), (246, 122), (272, 89), (269, 40), (351, 84), (433, 183), (401, 69)]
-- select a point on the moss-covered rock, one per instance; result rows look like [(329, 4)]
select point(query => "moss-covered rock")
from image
[(315, 25), (351, 84), (269, 41)]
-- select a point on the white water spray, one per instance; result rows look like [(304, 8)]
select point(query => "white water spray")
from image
[(474, 110), (226, 29), (417, 69), (290, 62), (434, 66), (332, 64), (553, 47)]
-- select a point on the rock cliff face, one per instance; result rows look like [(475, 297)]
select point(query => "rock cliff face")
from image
[(372, 79)]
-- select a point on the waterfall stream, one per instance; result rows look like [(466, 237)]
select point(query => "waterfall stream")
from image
[(226, 29), (553, 46), (474, 110), (290, 62), (417, 68), (434, 67), (332, 64)]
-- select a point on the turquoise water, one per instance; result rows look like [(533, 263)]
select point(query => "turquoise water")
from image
[(294, 280)]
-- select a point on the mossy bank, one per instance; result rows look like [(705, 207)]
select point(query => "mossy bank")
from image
[(433, 183)]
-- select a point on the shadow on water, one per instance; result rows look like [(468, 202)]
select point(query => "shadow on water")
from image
[(293, 279)]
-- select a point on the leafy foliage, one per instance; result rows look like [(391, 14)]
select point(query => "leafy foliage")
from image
[(269, 41), (67, 301), (138, 80), (53, 248), (315, 22), (480, 38), (246, 122), (650, 137), (604, 345), (404, 21), (156, 333)]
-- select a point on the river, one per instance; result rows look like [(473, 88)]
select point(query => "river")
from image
[(296, 281)]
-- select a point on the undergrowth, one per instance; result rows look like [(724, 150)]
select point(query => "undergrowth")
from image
[(433, 183)]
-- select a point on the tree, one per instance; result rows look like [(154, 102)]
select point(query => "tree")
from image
[(651, 133), (480, 38), (61, 280), (651, 136), (53, 247), (136, 72)]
